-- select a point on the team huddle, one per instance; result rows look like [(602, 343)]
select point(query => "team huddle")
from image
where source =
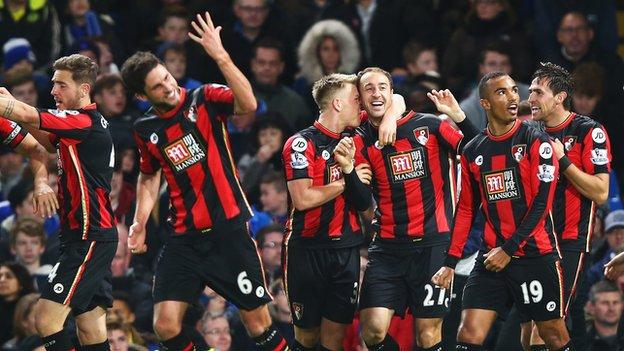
[(364, 160)]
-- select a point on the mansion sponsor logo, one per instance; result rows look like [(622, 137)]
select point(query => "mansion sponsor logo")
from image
[(501, 185), (184, 152), (408, 165)]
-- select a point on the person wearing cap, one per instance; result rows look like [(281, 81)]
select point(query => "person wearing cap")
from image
[(17, 52), (614, 225)]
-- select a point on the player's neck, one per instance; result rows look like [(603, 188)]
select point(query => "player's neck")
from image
[(331, 122), (498, 128), (557, 117), (84, 102)]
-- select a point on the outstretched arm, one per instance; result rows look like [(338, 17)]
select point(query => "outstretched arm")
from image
[(209, 38), (17, 111)]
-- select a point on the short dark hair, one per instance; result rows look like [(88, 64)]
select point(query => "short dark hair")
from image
[(588, 78), (271, 228), (270, 43), (172, 11), (31, 227), (559, 79), (23, 277), (270, 119), (603, 286), (107, 81), (17, 77), (497, 47), (483, 83), (19, 192), (374, 70), (276, 178), (136, 68), (82, 68), (413, 49), (173, 47)]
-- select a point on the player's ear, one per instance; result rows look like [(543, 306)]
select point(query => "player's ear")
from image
[(561, 97), (485, 104), (337, 104)]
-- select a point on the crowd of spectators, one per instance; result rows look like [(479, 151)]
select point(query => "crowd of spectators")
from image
[(283, 47)]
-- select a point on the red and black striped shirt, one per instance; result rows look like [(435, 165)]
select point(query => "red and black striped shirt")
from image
[(191, 144), (513, 178), (86, 161), (586, 143), (309, 154), (413, 180), (11, 133)]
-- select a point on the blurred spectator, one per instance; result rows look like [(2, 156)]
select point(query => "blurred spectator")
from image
[(216, 305), (174, 57), (267, 66), (24, 332), (302, 14), (28, 242), (589, 100), (267, 137), (495, 57), (328, 46), (216, 332), (576, 39), (269, 241), (123, 311), (488, 21), (614, 234), (173, 27), (84, 24), (21, 84), (122, 192), (383, 28), (37, 21), (19, 60), (548, 14), (123, 279), (280, 311), (118, 339), (110, 95), (420, 61), (15, 282), (274, 196), (605, 306), (21, 199)]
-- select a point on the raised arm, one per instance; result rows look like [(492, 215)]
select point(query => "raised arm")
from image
[(17, 111), (209, 38)]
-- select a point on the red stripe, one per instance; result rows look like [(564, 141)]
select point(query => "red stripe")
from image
[(385, 195), (413, 198), (311, 222), (189, 347), (531, 185), (353, 220), (106, 220), (73, 188), (175, 193), (579, 269), (335, 225), (507, 223), (281, 346), (216, 165), (438, 181), (489, 234)]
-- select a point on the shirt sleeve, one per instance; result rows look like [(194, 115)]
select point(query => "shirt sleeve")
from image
[(147, 163), (449, 136), (545, 169), (221, 98), (596, 153), (468, 204), (297, 156), (70, 124), (11, 133)]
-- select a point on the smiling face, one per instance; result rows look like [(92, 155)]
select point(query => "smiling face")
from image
[(161, 89), (542, 99), (376, 94), (501, 99)]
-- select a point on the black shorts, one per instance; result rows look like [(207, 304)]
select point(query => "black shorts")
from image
[(82, 276), (321, 283), (226, 260), (400, 279), (535, 285)]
